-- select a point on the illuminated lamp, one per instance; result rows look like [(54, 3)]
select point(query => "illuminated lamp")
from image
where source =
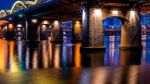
[(97, 12), (34, 21), (115, 12)]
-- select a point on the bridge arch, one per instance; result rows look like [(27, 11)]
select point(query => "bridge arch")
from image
[(145, 19), (114, 24), (3, 13), (123, 19), (35, 1), (19, 5)]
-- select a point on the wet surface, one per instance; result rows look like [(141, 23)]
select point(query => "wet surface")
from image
[(50, 63)]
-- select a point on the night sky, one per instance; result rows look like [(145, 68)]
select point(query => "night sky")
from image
[(6, 4)]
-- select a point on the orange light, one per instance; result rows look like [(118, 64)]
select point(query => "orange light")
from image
[(14, 66), (10, 27), (77, 27), (3, 55), (77, 56)]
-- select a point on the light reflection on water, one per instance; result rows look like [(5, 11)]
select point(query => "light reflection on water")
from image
[(64, 64), (112, 56), (18, 55)]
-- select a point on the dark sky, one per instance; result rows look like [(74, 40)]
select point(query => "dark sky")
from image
[(6, 4)]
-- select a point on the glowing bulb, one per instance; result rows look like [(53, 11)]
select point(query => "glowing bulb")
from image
[(56, 22), (45, 22), (19, 25), (115, 12), (132, 12), (34, 20), (43, 26), (97, 12), (10, 26), (77, 22)]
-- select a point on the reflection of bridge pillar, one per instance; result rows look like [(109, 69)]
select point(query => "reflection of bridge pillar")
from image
[(92, 33), (92, 58), (56, 31), (131, 31), (128, 55), (1, 32)]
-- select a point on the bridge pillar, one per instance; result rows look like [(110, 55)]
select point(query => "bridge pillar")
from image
[(92, 28), (131, 31), (32, 30), (10, 35), (56, 35), (77, 31)]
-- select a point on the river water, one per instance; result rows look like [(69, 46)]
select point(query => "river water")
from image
[(63, 63)]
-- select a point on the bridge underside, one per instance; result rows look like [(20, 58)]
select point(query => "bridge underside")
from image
[(88, 13)]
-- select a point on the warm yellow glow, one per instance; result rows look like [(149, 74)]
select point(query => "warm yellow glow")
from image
[(2, 22), (56, 22), (14, 65), (35, 60), (0, 29), (97, 12), (57, 56), (45, 54), (3, 55), (77, 28), (132, 13), (115, 12), (45, 22), (50, 50), (34, 21), (77, 56), (132, 16), (10, 27)]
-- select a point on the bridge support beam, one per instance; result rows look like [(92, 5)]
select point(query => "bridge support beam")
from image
[(131, 31), (56, 35), (10, 35), (32, 31), (92, 28), (77, 31)]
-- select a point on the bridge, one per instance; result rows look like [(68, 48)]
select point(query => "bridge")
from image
[(32, 19)]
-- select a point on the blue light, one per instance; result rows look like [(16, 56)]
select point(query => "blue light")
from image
[(112, 22), (10, 18), (20, 15), (145, 20)]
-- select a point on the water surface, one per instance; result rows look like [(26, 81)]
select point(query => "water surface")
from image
[(44, 62)]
